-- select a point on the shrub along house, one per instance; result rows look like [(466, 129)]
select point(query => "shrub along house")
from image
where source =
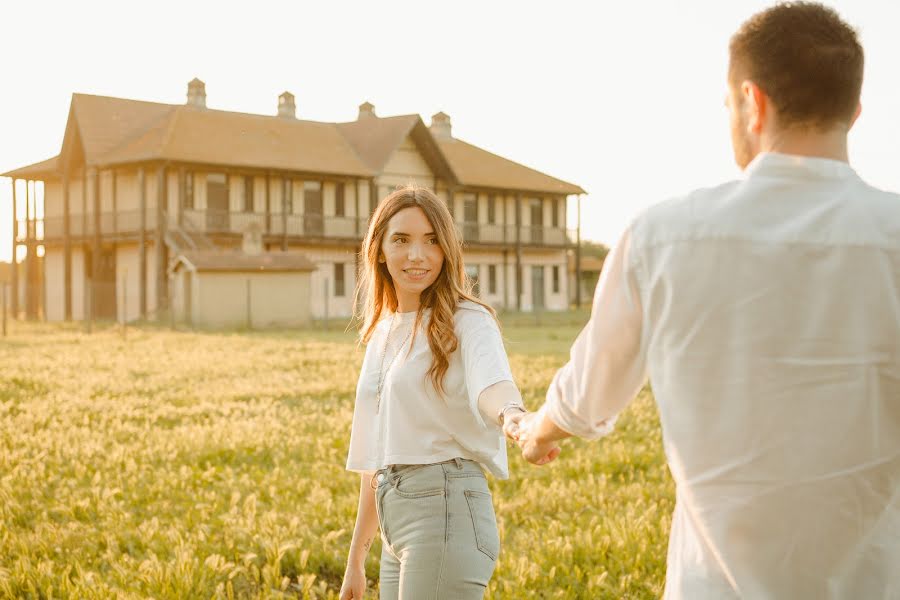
[(138, 184)]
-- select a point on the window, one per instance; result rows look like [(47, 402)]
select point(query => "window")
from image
[(556, 279), (492, 209), (472, 274), (312, 197), (217, 192), (470, 218), (470, 208), (339, 209), (555, 218), (189, 190), (339, 289), (313, 223), (248, 193), (492, 279)]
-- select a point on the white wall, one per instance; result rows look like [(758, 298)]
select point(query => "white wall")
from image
[(276, 299), (128, 300), (325, 258), (77, 283), (54, 281)]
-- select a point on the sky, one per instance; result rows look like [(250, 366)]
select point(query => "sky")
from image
[(624, 99)]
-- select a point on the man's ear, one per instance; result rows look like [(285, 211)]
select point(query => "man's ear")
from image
[(856, 115), (757, 106)]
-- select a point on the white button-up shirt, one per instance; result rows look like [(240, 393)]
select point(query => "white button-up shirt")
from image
[(766, 312)]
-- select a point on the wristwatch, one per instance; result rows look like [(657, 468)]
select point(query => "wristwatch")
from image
[(501, 415)]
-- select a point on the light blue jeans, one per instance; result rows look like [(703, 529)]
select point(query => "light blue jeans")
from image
[(438, 530)]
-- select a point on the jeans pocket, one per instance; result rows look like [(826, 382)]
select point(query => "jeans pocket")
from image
[(481, 509), (420, 483)]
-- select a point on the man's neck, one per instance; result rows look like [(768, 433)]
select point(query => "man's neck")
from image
[(829, 144)]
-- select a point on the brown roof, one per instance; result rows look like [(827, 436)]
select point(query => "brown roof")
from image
[(476, 167), (116, 131), (45, 168), (107, 123), (227, 138), (212, 260)]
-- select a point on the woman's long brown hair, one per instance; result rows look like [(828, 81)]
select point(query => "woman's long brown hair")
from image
[(375, 291)]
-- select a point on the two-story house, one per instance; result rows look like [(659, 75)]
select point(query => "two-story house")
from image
[(137, 183)]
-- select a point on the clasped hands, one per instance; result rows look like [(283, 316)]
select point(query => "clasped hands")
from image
[(535, 435)]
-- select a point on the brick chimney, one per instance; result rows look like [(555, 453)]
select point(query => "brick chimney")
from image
[(196, 94), (287, 108), (366, 111), (440, 125)]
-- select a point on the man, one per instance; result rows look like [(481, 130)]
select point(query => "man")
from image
[(766, 312)]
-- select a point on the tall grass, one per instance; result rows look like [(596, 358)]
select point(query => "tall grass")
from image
[(210, 465)]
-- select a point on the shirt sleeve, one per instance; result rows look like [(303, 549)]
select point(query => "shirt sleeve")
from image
[(483, 356), (607, 362)]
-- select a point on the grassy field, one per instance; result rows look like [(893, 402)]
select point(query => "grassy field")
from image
[(211, 465)]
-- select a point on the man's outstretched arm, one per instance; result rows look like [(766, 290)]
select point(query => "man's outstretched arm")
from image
[(606, 368)]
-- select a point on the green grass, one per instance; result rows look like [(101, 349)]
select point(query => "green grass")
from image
[(211, 465)]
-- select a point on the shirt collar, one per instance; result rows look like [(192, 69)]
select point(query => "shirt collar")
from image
[(795, 165)]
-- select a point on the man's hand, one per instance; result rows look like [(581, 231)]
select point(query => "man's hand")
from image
[(525, 429)]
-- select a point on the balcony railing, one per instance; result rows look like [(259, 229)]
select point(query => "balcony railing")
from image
[(210, 221), (541, 235), (308, 226), (123, 222)]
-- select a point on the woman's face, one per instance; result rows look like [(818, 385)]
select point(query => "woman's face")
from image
[(413, 256)]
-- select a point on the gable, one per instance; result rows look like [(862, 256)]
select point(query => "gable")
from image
[(407, 163)]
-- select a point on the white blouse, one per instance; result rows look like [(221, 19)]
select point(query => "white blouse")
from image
[(413, 423)]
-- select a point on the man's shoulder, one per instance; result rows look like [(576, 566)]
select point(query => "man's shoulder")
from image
[(678, 215)]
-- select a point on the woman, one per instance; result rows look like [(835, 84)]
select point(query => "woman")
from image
[(434, 388)]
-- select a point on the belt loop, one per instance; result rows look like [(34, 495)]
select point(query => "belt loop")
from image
[(458, 462)]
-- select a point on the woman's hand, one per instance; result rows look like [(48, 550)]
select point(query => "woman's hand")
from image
[(529, 431), (354, 585)]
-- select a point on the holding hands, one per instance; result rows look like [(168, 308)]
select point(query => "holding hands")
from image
[(534, 434)]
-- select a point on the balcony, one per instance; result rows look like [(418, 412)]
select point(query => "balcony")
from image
[(210, 222), (538, 235), (305, 226), (121, 223)]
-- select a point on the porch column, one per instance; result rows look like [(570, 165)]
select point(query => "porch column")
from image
[(115, 205), (578, 255), (142, 244), (356, 212), (67, 247), (161, 287), (518, 252), (286, 192), (268, 204), (505, 279), (95, 258), (30, 312), (85, 290), (14, 301), (182, 185)]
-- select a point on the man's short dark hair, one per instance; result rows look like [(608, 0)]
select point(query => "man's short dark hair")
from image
[(805, 58)]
